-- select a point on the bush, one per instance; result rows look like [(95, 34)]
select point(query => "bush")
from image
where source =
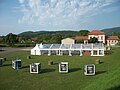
[(24, 45), (118, 43), (3, 45), (50, 62)]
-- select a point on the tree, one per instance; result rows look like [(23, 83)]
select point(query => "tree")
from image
[(83, 33), (2, 39), (69, 35), (21, 39), (56, 38), (80, 41), (116, 34), (44, 38), (10, 39), (93, 40)]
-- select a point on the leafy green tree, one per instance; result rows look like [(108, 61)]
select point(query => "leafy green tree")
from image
[(21, 39), (68, 35), (44, 38), (10, 39), (82, 33), (116, 34), (56, 38), (93, 40), (80, 41), (2, 39)]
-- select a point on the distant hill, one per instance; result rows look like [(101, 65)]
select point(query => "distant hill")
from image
[(110, 31), (33, 34)]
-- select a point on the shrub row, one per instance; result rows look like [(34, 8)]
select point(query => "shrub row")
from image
[(3, 45), (24, 45), (18, 45)]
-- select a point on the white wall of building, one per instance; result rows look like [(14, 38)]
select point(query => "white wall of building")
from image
[(68, 41), (112, 42), (101, 38), (85, 41)]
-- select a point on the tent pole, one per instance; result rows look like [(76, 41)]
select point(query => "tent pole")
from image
[(40, 52), (49, 53), (70, 53), (80, 52)]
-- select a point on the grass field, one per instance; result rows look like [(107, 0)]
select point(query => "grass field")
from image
[(107, 73)]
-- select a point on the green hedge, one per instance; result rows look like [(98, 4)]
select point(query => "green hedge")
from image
[(24, 45), (18, 45), (4, 45)]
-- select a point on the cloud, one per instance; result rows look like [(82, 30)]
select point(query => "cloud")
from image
[(21, 1), (61, 13)]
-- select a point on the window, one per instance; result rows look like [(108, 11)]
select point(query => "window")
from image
[(101, 41), (112, 42), (95, 52), (101, 37), (100, 52), (97, 37), (90, 37)]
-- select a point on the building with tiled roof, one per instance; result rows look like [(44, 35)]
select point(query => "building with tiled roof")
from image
[(85, 38), (34, 39), (80, 38), (96, 32), (110, 40)]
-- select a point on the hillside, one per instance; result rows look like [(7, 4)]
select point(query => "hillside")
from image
[(32, 34), (110, 31)]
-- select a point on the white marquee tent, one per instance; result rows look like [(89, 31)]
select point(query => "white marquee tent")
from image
[(60, 49), (36, 49)]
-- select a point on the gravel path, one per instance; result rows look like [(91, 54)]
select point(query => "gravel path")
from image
[(7, 50)]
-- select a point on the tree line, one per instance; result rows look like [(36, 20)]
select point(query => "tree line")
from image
[(56, 37)]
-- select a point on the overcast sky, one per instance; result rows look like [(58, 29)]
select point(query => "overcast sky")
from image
[(35, 15)]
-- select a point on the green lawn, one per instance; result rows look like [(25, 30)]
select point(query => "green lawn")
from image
[(107, 73)]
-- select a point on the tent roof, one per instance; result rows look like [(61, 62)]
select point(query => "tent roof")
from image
[(68, 46), (37, 47)]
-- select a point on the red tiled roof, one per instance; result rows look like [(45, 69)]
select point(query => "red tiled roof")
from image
[(112, 38), (80, 38), (34, 38), (96, 32)]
